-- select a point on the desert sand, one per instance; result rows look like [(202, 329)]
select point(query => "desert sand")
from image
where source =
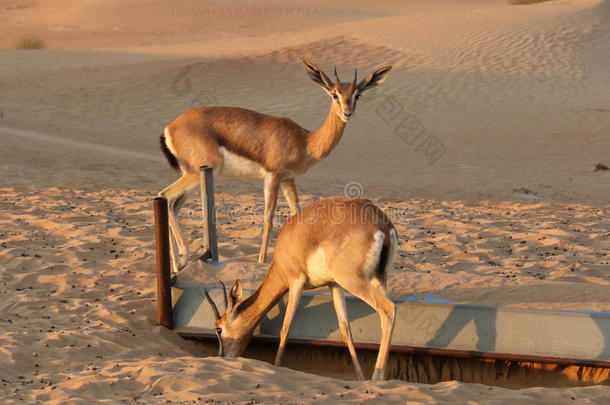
[(481, 146)]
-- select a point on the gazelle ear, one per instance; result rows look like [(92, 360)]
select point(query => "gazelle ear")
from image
[(375, 78), (317, 75), (235, 294)]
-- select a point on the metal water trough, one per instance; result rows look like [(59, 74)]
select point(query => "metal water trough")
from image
[(440, 329)]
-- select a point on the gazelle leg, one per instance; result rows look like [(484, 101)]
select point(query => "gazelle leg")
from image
[(271, 188), (289, 188), (294, 296), (183, 247), (387, 313), (344, 327), (176, 195)]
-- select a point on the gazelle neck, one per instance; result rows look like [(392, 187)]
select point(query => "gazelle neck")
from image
[(323, 140), (253, 308)]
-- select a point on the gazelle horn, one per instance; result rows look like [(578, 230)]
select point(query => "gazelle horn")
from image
[(337, 76), (224, 290), (212, 304), (355, 75)]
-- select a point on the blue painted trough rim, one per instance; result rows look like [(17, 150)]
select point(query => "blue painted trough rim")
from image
[(434, 300)]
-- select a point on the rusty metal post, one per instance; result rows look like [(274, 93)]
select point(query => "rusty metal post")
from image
[(208, 215), (164, 288)]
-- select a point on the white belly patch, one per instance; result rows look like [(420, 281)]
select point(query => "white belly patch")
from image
[(317, 269), (236, 166)]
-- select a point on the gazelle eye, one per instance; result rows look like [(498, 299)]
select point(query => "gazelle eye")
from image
[(335, 96), (218, 331)]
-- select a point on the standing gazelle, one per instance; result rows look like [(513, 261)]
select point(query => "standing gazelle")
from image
[(337, 242), (242, 143)]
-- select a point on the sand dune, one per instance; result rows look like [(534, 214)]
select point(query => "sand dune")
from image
[(506, 210), (504, 97)]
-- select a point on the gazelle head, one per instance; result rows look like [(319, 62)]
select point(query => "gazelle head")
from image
[(345, 95), (233, 331)]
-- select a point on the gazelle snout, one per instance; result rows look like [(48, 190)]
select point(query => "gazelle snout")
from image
[(344, 99), (346, 116), (233, 336), (232, 347)]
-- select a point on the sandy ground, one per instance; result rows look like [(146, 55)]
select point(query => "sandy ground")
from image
[(78, 313), (506, 210)]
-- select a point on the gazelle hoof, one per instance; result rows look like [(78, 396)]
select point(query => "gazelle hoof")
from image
[(378, 375)]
